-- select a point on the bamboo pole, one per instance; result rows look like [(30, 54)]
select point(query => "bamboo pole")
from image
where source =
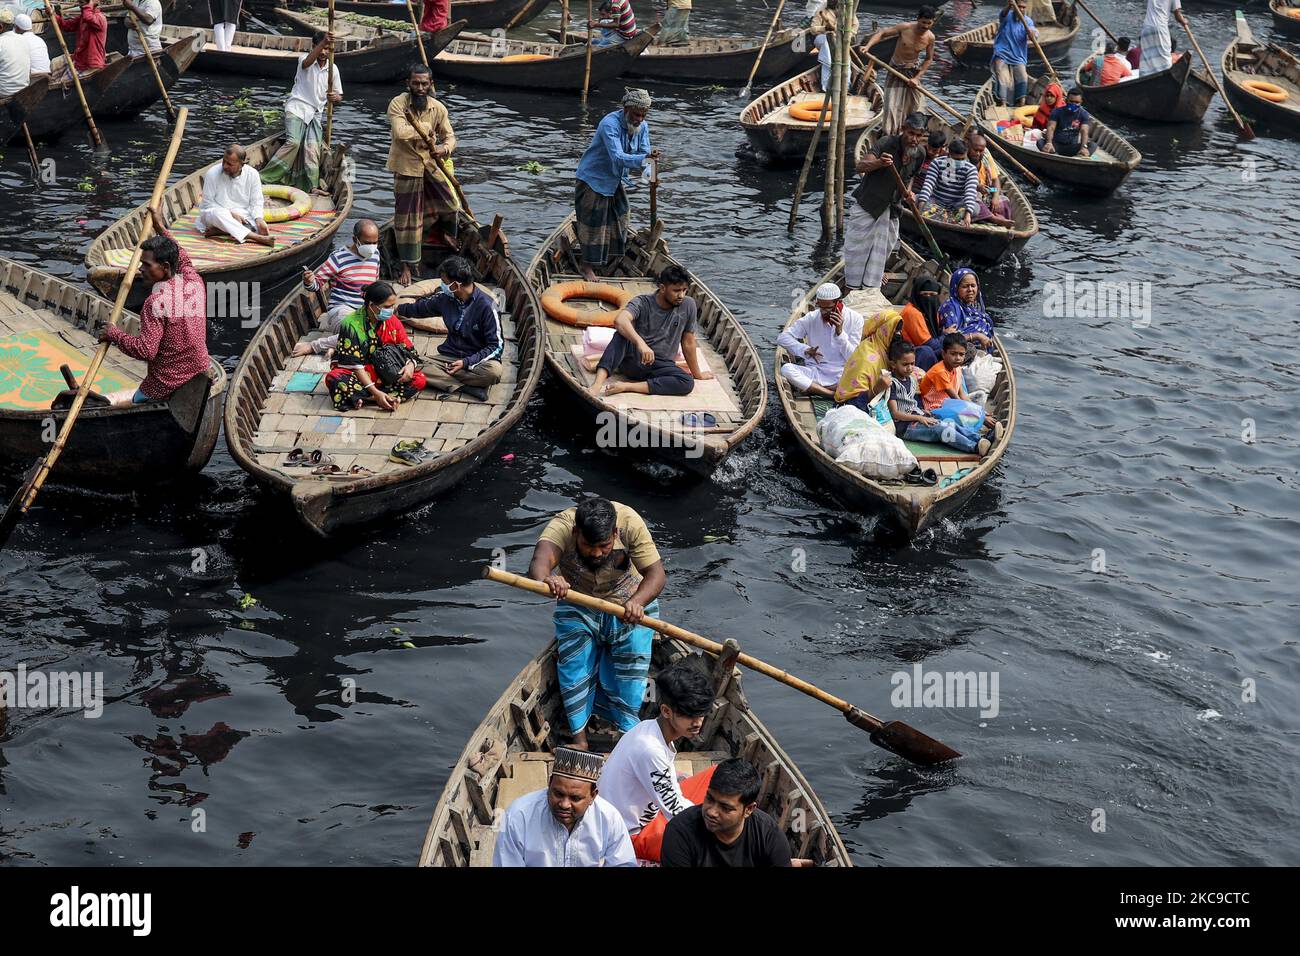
[(1088, 10), (586, 76), (522, 12), (419, 37), (564, 21), (26, 494), (807, 166), (776, 18), (31, 153), (72, 68), (153, 66), (833, 96), (329, 103)]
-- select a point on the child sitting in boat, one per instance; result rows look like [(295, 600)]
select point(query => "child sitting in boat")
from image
[(942, 382)]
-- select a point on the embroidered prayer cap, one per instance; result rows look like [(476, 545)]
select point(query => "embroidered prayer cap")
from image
[(828, 292), (917, 120), (636, 98), (577, 764)]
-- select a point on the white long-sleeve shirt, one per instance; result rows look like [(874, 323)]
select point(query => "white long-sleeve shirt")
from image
[(834, 350), (531, 836), (639, 778), (37, 51), (310, 86), (242, 192), (15, 63)]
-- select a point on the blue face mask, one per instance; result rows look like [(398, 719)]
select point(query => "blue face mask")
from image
[(385, 315), (1073, 107)]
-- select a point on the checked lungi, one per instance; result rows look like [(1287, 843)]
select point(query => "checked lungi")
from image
[(901, 98), (413, 195), (601, 224), (297, 162), (602, 664), (868, 243), (1157, 49)]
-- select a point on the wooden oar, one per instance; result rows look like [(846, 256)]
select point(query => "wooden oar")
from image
[(522, 12), (443, 164), (894, 735), (564, 22), (1246, 132), (419, 37), (586, 76), (31, 486), (1033, 38), (1002, 150), (771, 27), (808, 159), (1088, 11), (153, 66), (654, 192), (72, 68), (329, 103), (920, 220), (31, 153)]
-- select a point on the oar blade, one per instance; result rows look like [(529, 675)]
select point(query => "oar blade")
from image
[(911, 744), (9, 520)]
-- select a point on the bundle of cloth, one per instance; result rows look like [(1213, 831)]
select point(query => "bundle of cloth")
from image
[(857, 439)]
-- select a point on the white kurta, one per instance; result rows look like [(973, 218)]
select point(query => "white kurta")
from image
[(310, 86), (15, 63), (38, 51), (834, 350), (530, 836), (1156, 50), (227, 200), (152, 31)]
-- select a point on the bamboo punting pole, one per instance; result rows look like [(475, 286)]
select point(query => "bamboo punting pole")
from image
[(776, 18), (586, 76), (153, 66), (807, 166), (419, 37), (329, 103), (72, 68)]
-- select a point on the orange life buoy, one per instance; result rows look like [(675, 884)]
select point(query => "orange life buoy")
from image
[(808, 110), (524, 57), (1266, 91), (555, 297)]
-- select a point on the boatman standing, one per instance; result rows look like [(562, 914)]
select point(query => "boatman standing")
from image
[(297, 162), (567, 824), (1157, 46), (621, 146), (603, 549), (871, 229), (173, 320), (914, 39), (420, 176), (91, 27), (149, 13)]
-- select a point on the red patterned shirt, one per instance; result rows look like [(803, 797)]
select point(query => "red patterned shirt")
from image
[(173, 331)]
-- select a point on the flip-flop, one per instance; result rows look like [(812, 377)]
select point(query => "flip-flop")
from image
[(327, 470), (926, 477), (296, 459), (699, 420), (955, 477), (319, 457)]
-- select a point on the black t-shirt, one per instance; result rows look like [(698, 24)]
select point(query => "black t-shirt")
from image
[(878, 188), (1068, 125), (688, 842)]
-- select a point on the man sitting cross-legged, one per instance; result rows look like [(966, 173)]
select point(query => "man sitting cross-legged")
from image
[(232, 200), (831, 333), (649, 332)]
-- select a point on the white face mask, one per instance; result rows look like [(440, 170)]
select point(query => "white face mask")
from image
[(367, 249)]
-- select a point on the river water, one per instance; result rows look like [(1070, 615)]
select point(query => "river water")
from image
[(1128, 575)]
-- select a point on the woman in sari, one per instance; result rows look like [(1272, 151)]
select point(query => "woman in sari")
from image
[(964, 311), (921, 324), (352, 380), (866, 374)]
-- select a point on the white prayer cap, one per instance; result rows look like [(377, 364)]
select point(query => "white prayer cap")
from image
[(828, 292), (23, 22)]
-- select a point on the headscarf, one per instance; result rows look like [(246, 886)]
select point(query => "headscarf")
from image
[(967, 318), (927, 307), (1044, 113), (870, 358)]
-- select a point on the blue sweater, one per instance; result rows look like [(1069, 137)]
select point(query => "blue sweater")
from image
[(473, 326), (613, 153)]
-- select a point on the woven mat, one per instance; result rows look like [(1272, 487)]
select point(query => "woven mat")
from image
[(29, 369), (223, 250), (707, 396)]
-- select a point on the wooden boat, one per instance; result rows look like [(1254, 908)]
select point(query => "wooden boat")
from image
[(265, 420), (136, 89), (46, 322), (480, 14), (1102, 173), (245, 267), (1179, 94), (652, 425), (1246, 61), (522, 727), (778, 138), (974, 47), (723, 60), (535, 65), (979, 242), (115, 13), (911, 507), (362, 57), (1286, 17), (51, 107)]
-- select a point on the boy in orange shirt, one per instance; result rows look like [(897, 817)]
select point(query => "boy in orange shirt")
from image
[(943, 382)]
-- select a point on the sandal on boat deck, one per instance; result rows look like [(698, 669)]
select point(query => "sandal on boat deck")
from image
[(927, 477)]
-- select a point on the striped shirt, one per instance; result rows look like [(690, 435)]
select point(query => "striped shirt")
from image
[(348, 275), (620, 11), (950, 184)]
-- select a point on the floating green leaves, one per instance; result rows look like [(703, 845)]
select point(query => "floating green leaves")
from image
[(532, 166), (247, 601)]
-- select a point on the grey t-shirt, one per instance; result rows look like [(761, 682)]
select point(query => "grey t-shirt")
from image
[(662, 328)]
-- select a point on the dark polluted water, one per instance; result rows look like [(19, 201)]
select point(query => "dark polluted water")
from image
[(1129, 574)]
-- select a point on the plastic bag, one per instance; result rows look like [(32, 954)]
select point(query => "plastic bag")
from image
[(967, 415), (877, 454), (982, 373), (841, 425)]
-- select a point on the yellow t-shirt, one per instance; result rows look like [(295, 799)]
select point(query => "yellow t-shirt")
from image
[(632, 534)]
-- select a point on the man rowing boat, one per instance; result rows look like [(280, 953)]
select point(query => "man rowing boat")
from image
[(1157, 46), (297, 162)]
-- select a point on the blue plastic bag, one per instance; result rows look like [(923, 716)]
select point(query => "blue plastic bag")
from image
[(967, 416)]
